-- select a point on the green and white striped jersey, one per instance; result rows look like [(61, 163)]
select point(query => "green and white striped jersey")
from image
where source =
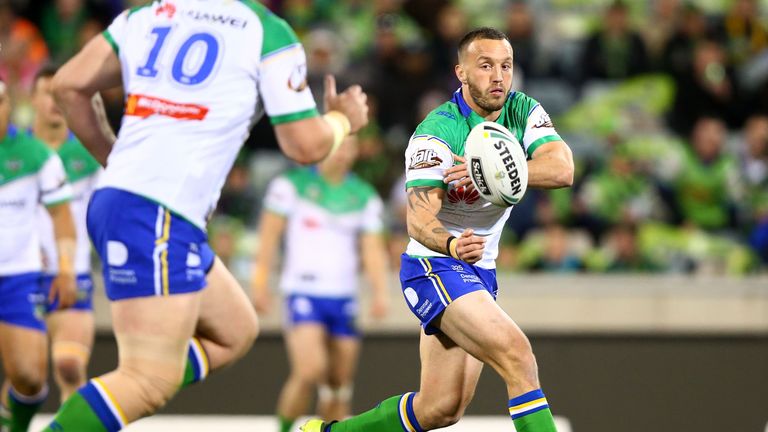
[(30, 174), (443, 133)]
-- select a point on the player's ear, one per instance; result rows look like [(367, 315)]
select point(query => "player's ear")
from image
[(460, 73)]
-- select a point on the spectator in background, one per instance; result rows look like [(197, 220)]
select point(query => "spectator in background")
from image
[(556, 254), (677, 53), (743, 31), (519, 25), (665, 21), (22, 50), (451, 25), (238, 196), (624, 251), (707, 88), (66, 26), (615, 51), (753, 152), (705, 188)]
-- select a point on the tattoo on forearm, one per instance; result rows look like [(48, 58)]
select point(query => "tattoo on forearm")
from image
[(418, 197), (429, 232)]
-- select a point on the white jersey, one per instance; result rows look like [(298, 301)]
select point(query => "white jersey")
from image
[(82, 173), (324, 224), (30, 175), (196, 74)]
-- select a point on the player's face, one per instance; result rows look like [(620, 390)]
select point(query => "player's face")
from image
[(5, 110), (486, 71), (44, 104)]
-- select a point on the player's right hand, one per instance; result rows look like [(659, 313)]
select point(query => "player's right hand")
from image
[(352, 102), (470, 247), (63, 287)]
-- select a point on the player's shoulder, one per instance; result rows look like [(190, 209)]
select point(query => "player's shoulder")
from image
[(278, 34), (24, 155), (444, 123), (78, 162), (360, 187), (521, 104)]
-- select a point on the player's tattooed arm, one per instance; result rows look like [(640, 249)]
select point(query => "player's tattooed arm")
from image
[(424, 202)]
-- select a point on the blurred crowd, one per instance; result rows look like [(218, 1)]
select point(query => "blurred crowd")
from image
[(664, 102)]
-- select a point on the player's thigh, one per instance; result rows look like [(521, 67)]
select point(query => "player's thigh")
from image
[(71, 326), (344, 353), (306, 343), (23, 352), (477, 324), (226, 316), (155, 330), (449, 374)]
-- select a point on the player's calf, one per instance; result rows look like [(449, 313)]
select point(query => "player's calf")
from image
[(441, 410)]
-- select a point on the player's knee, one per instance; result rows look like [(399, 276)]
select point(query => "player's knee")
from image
[(27, 379), (154, 389), (311, 373), (70, 370), (514, 358), (444, 412)]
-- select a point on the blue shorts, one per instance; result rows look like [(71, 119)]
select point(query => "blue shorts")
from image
[(145, 249), (21, 301), (337, 315), (84, 299), (431, 284)]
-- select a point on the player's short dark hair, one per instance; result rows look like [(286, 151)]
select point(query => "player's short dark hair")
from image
[(480, 33), (47, 71)]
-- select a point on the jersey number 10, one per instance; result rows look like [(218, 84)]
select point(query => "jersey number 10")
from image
[(178, 73)]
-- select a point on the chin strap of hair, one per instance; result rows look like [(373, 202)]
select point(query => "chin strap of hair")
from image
[(341, 127)]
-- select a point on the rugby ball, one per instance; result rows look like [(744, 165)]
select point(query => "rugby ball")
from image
[(496, 163)]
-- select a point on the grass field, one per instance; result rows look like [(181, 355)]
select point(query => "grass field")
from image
[(211, 423)]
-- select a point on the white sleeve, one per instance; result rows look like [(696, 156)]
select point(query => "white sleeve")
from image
[(426, 157), (281, 196), (372, 215), (115, 33), (538, 130), (283, 85), (52, 180)]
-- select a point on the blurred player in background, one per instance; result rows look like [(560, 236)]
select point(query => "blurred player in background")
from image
[(71, 330), (30, 175), (448, 271), (322, 208), (196, 76)]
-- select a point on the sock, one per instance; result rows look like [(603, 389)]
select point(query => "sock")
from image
[(285, 424), (393, 414), (196, 368), (91, 409), (531, 413), (22, 408)]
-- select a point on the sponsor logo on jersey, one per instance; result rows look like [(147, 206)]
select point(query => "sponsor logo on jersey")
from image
[(463, 194), (543, 121), (425, 158), (13, 165), (145, 106), (297, 80), (167, 8), (477, 174), (216, 18), (17, 203)]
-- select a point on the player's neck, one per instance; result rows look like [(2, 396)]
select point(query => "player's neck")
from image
[(52, 136), (487, 115), (332, 174)]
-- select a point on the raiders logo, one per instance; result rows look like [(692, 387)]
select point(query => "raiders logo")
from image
[(543, 122), (297, 81), (425, 158)]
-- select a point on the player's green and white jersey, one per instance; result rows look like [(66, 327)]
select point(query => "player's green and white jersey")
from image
[(82, 173), (323, 224), (197, 75), (443, 133), (30, 174)]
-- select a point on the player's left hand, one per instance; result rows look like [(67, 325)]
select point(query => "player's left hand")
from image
[(63, 287), (379, 306), (458, 173)]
